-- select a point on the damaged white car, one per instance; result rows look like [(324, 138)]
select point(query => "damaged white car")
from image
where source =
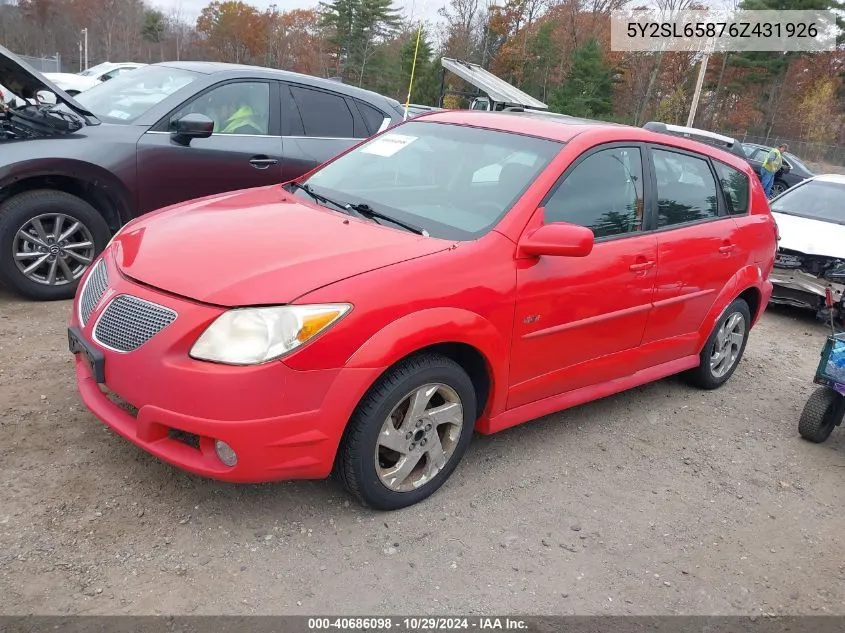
[(811, 251)]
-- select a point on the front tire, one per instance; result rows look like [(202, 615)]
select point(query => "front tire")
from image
[(820, 415), (724, 348), (778, 188), (48, 239), (408, 433)]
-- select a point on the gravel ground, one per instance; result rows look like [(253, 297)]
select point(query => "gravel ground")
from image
[(662, 500)]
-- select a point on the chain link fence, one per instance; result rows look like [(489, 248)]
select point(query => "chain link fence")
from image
[(811, 152), (44, 64)]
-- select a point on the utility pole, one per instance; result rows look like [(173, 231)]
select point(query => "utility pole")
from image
[(699, 83), (85, 39)]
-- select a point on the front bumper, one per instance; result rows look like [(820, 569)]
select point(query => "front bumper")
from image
[(804, 290), (280, 422)]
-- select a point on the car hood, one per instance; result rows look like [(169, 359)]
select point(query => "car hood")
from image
[(23, 80), (257, 247), (811, 237)]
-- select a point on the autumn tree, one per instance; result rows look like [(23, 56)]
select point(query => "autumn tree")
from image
[(294, 41), (234, 29), (817, 110), (765, 72)]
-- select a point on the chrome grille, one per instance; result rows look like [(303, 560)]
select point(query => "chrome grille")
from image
[(92, 292), (128, 322)]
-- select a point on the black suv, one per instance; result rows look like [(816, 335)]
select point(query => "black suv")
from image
[(790, 174), (75, 169)]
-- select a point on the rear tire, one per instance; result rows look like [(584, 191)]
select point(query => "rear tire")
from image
[(37, 215), (724, 348), (819, 417), (408, 433)]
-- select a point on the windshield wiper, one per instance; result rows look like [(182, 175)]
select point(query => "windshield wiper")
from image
[(368, 212), (363, 210), (318, 197)]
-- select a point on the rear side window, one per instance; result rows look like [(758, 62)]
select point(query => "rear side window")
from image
[(372, 117), (686, 190), (323, 114), (736, 187)]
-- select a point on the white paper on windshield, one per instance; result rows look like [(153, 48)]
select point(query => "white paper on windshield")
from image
[(388, 144), (118, 114)]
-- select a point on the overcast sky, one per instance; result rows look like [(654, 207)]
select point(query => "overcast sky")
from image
[(190, 9)]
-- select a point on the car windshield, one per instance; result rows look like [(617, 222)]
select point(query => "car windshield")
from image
[(129, 95), (456, 182), (816, 199)]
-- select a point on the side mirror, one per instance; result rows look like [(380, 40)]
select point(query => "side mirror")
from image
[(786, 167), (559, 239), (191, 126)]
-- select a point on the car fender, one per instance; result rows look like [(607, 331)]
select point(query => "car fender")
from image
[(433, 326), (745, 278), (94, 175)]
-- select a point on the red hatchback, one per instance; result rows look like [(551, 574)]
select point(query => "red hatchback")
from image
[(461, 272)]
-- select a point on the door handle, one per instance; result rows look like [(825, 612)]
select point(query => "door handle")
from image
[(640, 266), (725, 249), (262, 162)]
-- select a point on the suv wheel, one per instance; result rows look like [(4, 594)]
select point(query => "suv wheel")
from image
[(47, 241), (724, 348), (408, 433), (778, 188)]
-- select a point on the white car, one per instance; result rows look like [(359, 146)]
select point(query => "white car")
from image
[(74, 83), (811, 251)]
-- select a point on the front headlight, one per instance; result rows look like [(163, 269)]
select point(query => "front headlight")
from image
[(249, 336)]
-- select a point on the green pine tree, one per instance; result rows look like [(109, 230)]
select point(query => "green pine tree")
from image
[(426, 77), (357, 27), (587, 90)]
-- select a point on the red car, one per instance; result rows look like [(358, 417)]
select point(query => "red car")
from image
[(463, 271)]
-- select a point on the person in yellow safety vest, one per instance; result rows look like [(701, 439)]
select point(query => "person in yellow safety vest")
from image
[(242, 121), (237, 119), (770, 167)]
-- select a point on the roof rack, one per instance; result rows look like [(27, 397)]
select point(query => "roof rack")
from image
[(658, 126)]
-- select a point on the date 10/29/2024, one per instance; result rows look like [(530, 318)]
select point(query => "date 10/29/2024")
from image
[(417, 624)]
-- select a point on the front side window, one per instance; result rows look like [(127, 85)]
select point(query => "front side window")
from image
[(130, 95), (686, 190), (241, 107), (604, 192), (736, 188), (426, 173)]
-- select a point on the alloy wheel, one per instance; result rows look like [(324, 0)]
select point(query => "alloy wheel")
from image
[(53, 249), (727, 346), (419, 437)]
